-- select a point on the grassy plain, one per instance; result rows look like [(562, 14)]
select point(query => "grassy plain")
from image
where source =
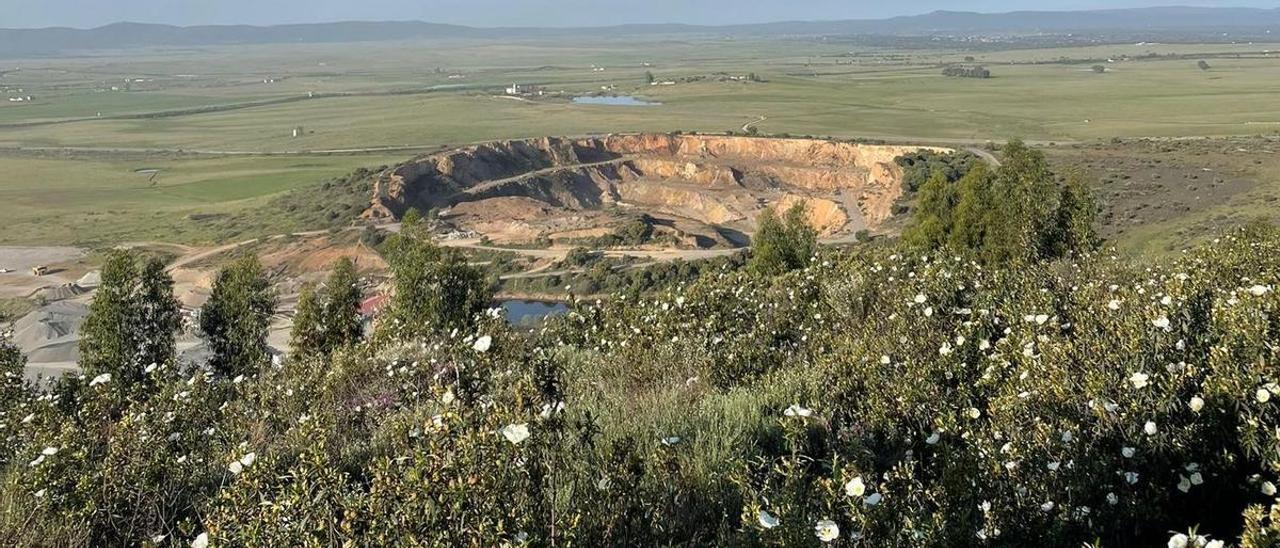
[(422, 95), (103, 200)]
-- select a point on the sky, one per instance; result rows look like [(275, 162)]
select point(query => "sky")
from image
[(492, 13)]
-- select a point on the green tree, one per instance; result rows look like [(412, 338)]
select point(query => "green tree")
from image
[(236, 318), (1024, 199), (12, 367), (780, 245), (973, 209), (157, 315), (1077, 211), (132, 320), (435, 289), (306, 338), (1019, 212), (341, 307), (933, 213), (108, 340)]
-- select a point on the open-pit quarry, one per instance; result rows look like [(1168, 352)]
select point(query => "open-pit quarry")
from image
[(693, 191)]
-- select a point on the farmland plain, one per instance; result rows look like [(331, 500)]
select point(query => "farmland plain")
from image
[(218, 122)]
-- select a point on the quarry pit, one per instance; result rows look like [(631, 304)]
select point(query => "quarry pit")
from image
[(691, 191)]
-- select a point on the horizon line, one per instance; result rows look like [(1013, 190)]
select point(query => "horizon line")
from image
[(634, 24)]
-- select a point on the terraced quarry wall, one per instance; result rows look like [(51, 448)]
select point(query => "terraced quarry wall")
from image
[(707, 186)]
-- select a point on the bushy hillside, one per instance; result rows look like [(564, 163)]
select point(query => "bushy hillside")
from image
[(883, 397)]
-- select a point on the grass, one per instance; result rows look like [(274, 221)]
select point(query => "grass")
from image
[(813, 87), (90, 201)]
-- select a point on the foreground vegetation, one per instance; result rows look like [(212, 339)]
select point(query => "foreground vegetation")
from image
[(917, 393)]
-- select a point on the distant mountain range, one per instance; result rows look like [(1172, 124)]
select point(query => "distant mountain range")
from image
[(18, 42)]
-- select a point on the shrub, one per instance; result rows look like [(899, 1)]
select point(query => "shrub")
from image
[(899, 397)]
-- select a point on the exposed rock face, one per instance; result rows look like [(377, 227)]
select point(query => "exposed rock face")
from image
[(512, 190)]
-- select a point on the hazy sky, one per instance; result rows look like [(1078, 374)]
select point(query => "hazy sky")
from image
[(89, 13)]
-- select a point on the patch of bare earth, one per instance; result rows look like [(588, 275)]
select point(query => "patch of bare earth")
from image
[(696, 190)]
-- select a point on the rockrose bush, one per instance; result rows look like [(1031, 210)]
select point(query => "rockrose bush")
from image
[(871, 398)]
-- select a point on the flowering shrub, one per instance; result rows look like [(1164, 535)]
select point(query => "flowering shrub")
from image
[(873, 398)]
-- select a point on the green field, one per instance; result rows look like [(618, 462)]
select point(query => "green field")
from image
[(104, 201), (422, 95)]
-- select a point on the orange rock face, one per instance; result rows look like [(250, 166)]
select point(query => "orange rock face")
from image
[(559, 185)]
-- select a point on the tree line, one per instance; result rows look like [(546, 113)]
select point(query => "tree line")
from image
[(134, 318), (1020, 211), (966, 72)]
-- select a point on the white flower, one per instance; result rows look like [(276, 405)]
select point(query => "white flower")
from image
[(974, 413), (1184, 484), (933, 438), (1112, 499), (1047, 506), (855, 487), (796, 410), (767, 520), (515, 433), (1067, 436), (1178, 541), (1262, 395), (1215, 544), (40, 494), (1268, 488), (1150, 428), (28, 418), (1131, 477), (1196, 404), (100, 379), (1053, 466), (670, 440), (1114, 304), (1162, 323), (547, 409), (1041, 319), (150, 368), (201, 541), (945, 349), (826, 530), (235, 467), (483, 344), (239, 379), (1196, 478), (36, 462), (1259, 290), (248, 459), (1139, 380), (1128, 452), (49, 451), (873, 499), (920, 298)]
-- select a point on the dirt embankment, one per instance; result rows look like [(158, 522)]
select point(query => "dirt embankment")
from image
[(519, 190)]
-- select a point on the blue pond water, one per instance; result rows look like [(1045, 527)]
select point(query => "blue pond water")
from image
[(614, 101), (531, 312)]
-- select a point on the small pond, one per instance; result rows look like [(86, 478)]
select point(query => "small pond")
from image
[(520, 312), (614, 101)]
